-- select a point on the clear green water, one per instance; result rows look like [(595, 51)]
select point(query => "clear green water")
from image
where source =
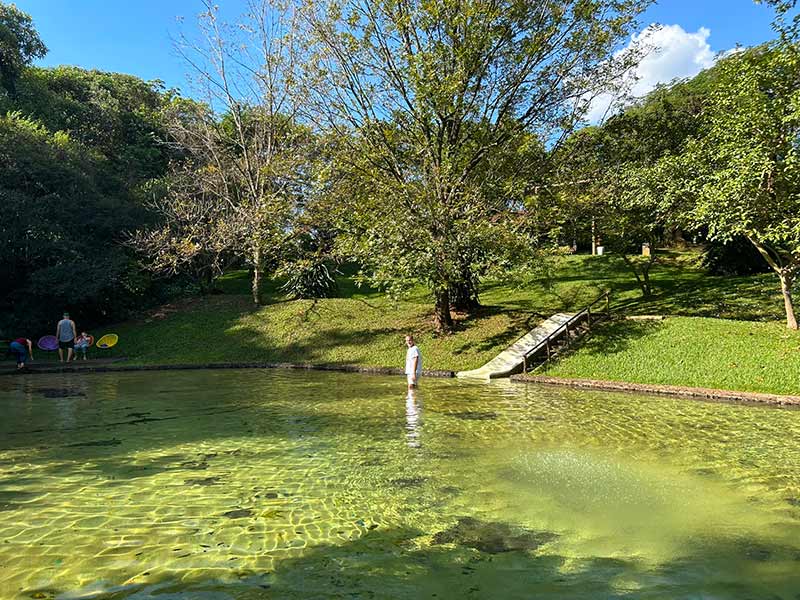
[(252, 484)]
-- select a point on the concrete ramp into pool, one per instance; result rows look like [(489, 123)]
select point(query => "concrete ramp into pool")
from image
[(511, 360)]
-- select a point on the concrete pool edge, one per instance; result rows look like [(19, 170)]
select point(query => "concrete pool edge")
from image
[(667, 390), (108, 368)]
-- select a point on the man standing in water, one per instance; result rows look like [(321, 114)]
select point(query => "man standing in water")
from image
[(66, 334), (413, 362)]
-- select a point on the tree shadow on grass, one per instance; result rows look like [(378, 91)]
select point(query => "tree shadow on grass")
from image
[(612, 337), (520, 323), (740, 298), (317, 347)]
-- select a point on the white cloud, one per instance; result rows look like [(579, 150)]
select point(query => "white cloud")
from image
[(673, 53)]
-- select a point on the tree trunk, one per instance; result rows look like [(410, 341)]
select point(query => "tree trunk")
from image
[(256, 283), (8, 81), (786, 288), (644, 284), (594, 237), (442, 319), (787, 277), (646, 273), (205, 279), (646, 289), (464, 294)]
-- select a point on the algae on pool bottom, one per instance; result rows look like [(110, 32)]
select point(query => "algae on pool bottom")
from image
[(250, 484)]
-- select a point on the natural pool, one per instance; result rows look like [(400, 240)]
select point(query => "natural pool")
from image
[(274, 484)]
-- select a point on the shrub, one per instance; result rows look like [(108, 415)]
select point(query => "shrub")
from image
[(309, 278)]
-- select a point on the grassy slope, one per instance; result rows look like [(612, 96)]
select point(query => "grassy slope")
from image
[(363, 327), (691, 351)]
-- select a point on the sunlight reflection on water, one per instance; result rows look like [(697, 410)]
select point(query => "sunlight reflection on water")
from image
[(236, 484)]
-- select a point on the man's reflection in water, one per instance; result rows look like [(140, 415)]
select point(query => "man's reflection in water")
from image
[(413, 425)]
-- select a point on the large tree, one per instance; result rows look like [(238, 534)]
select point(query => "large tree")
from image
[(76, 148), (246, 137), (743, 172), (424, 93)]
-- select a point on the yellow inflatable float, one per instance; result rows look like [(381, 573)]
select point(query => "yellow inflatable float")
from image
[(108, 340)]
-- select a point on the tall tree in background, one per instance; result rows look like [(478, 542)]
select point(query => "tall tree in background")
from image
[(246, 138), (606, 176), (424, 93), (20, 44), (196, 234), (743, 172)]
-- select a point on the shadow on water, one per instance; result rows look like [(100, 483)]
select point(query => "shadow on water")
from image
[(470, 559), (101, 428)]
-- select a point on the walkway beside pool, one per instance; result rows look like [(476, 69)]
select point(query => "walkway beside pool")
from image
[(49, 366)]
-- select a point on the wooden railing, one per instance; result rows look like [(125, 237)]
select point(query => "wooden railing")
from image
[(567, 329)]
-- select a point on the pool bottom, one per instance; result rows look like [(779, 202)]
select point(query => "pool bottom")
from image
[(242, 485)]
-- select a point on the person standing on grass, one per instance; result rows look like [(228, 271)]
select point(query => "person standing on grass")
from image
[(21, 348), (66, 334), (413, 362)]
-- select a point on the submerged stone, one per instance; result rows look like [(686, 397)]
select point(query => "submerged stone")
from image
[(194, 465), (111, 442), (42, 594), (756, 551), (59, 392), (202, 481), (409, 481), (492, 537), (239, 513), (474, 415)]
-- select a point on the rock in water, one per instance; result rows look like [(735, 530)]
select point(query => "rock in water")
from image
[(492, 538), (239, 513)]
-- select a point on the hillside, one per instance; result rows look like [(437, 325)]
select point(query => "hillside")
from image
[(739, 317)]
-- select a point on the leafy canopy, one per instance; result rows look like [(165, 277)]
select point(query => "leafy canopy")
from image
[(20, 44)]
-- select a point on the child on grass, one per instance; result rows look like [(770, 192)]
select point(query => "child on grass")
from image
[(82, 343)]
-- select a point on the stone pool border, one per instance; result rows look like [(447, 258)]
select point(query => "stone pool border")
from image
[(667, 390), (244, 365)]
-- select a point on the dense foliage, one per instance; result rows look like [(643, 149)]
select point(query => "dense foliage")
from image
[(735, 257), (75, 146), (19, 45), (741, 176), (606, 177), (435, 143)]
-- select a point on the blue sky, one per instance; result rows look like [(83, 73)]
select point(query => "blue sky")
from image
[(135, 37)]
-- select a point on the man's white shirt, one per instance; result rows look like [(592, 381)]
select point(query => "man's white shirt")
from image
[(412, 353)]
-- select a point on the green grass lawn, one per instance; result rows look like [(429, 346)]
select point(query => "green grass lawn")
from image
[(364, 327), (690, 351), (356, 330)]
